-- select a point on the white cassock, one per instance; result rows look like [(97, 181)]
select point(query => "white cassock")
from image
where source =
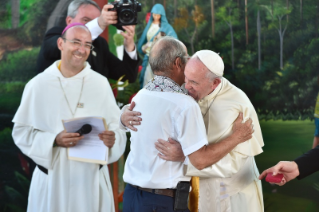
[(230, 185), (69, 185)]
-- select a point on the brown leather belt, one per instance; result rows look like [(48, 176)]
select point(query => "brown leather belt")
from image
[(165, 192)]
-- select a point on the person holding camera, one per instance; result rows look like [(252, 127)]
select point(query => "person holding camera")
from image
[(100, 58)]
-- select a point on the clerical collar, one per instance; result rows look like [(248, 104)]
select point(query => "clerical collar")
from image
[(163, 84)]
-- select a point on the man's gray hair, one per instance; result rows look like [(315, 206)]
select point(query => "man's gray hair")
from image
[(76, 4), (164, 55), (209, 75)]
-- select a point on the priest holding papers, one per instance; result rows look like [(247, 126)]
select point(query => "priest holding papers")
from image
[(68, 89)]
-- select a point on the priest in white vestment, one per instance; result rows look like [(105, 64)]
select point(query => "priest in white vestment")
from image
[(67, 89), (231, 184)]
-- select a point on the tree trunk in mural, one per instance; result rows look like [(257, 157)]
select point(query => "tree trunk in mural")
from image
[(287, 2), (280, 11), (175, 8), (300, 11), (213, 18), (15, 13), (229, 23), (272, 7), (281, 32), (230, 14), (232, 46), (246, 21), (259, 34), (57, 17)]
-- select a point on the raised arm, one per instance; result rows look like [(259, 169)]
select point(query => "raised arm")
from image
[(212, 153)]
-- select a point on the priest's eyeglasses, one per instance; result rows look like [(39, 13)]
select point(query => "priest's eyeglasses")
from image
[(78, 44)]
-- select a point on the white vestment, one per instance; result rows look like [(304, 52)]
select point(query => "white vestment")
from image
[(230, 185), (69, 185)]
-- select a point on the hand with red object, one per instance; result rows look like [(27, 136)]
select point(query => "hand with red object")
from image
[(289, 170)]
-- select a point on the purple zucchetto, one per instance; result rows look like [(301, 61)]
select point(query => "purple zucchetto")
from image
[(72, 25)]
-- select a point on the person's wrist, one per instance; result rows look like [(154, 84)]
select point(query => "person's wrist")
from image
[(101, 23), (122, 121), (295, 167), (130, 46)]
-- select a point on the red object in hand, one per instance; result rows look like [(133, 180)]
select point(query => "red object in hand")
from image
[(274, 179)]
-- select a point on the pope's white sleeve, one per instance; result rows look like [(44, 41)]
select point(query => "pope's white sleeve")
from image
[(36, 144), (225, 167), (94, 28)]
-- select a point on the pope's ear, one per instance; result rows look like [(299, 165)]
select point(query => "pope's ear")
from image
[(216, 82), (60, 42)]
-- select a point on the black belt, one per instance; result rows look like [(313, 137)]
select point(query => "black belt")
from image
[(165, 192), (45, 171)]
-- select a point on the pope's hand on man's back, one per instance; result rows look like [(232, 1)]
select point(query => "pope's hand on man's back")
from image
[(65, 139), (242, 131)]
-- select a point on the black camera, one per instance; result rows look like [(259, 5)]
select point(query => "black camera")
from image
[(126, 12)]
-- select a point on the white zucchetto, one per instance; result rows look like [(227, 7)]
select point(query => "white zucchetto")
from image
[(212, 61)]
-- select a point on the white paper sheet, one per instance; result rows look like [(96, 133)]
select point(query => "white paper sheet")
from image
[(90, 149)]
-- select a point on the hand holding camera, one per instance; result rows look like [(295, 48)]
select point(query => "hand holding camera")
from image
[(107, 16), (126, 12)]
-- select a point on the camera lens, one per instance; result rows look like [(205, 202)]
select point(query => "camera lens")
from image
[(126, 16)]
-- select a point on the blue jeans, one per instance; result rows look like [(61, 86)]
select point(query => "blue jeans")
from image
[(317, 127), (135, 200)]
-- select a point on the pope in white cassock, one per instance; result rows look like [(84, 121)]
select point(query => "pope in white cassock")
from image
[(67, 89)]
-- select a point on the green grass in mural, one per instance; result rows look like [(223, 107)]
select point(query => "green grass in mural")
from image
[(286, 140)]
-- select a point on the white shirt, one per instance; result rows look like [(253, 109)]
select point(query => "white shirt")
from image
[(164, 115)]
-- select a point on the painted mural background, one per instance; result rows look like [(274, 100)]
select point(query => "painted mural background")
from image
[(270, 49)]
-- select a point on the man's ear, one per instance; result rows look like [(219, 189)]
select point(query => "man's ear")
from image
[(60, 42), (178, 62), (68, 20)]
